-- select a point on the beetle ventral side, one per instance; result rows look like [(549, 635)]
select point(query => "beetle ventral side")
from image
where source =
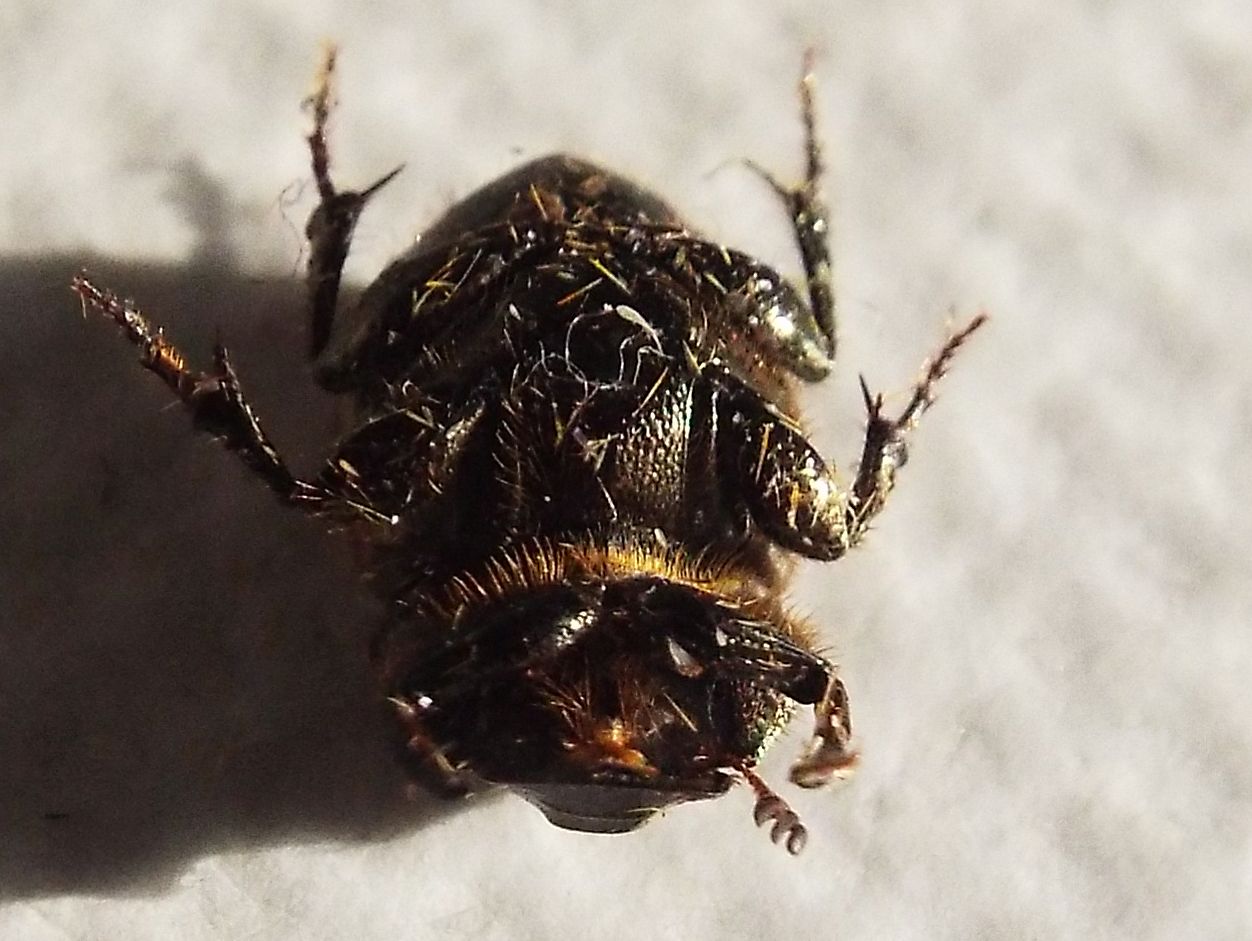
[(578, 475)]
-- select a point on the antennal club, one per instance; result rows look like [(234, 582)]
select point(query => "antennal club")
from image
[(770, 807)]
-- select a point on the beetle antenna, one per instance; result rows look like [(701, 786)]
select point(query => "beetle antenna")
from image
[(772, 808)]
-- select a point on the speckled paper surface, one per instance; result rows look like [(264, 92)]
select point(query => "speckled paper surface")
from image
[(1046, 638)]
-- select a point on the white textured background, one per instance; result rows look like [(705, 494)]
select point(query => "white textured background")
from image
[(1047, 639)]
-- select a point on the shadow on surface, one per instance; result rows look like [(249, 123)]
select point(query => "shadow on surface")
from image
[(183, 663)]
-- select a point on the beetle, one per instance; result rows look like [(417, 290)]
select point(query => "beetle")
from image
[(579, 477)]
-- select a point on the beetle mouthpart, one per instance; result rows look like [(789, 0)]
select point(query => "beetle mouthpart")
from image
[(770, 807), (610, 745)]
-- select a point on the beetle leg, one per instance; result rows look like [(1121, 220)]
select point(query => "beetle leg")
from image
[(761, 305), (424, 760), (884, 451), (399, 459), (216, 402), (829, 755), (790, 491), (332, 223), (806, 207)]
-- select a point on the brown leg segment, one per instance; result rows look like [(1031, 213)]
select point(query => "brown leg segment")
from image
[(215, 400), (426, 762), (791, 492), (332, 223), (829, 755), (806, 207)]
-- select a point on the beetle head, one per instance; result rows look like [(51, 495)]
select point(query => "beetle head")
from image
[(603, 698)]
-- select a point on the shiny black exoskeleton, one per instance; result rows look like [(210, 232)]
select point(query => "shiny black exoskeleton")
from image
[(576, 468)]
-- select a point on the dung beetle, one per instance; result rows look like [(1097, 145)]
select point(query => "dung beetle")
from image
[(579, 476)]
